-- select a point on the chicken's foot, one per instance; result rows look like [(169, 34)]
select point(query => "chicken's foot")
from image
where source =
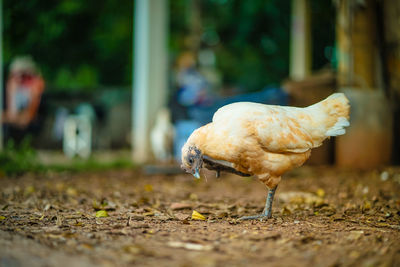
[(267, 213)]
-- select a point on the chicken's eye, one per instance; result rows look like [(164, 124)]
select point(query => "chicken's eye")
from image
[(190, 160)]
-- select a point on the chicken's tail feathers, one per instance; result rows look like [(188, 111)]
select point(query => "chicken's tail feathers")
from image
[(338, 128), (336, 108)]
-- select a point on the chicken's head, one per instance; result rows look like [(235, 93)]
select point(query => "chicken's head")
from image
[(192, 160)]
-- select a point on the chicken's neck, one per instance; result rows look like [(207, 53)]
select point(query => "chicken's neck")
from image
[(221, 166)]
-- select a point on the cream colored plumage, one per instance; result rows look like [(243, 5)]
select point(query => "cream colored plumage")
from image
[(265, 140)]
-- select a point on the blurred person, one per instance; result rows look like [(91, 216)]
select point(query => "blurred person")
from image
[(24, 90), (192, 89)]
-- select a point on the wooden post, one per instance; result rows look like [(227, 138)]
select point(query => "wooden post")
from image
[(150, 79), (343, 37), (391, 14), (357, 44), (300, 43), (365, 50)]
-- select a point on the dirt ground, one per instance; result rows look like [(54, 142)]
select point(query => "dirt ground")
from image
[(321, 217)]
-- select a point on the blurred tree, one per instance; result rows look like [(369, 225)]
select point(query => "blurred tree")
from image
[(77, 44), (87, 44), (323, 33), (251, 38)]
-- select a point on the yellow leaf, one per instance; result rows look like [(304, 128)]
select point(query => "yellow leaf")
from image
[(72, 192), (2, 218), (148, 188), (193, 197), (197, 216), (286, 211), (367, 205), (95, 204), (101, 213), (29, 190), (320, 192)]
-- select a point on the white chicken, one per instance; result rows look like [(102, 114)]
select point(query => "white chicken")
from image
[(162, 136), (264, 140)]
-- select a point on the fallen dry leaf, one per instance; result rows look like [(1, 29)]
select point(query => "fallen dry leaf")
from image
[(29, 190), (72, 192), (197, 216), (337, 217), (286, 211), (366, 206), (320, 192), (148, 188), (60, 220), (101, 213), (301, 198), (189, 246), (193, 197), (149, 213), (355, 235), (180, 206)]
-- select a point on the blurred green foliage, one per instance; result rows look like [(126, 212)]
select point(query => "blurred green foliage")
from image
[(87, 44), (323, 21), (22, 158), (91, 164), (77, 44), (17, 159), (251, 39), (255, 50)]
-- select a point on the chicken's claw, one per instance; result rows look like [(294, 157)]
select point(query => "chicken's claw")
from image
[(267, 214)]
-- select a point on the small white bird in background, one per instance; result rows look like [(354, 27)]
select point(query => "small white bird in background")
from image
[(264, 140), (162, 136)]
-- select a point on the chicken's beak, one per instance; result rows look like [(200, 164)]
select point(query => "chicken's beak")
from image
[(196, 173)]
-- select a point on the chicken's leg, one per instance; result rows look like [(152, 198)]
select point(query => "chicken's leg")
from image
[(267, 213)]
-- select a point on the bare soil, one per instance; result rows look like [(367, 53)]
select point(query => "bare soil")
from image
[(321, 217)]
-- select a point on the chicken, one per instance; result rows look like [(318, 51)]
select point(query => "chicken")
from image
[(251, 139), (162, 136)]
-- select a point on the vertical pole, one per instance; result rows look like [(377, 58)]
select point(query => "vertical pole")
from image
[(139, 76), (344, 48), (356, 32), (150, 78), (300, 41), (1, 76), (365, 50)]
